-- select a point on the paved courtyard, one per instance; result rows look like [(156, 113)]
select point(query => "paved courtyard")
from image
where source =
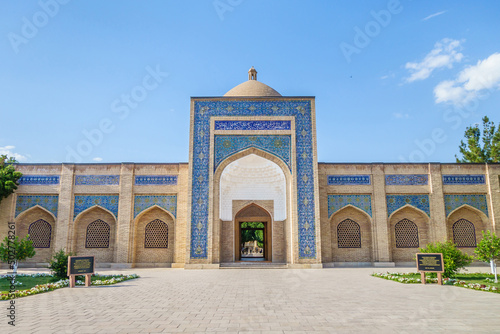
[(258, 301)]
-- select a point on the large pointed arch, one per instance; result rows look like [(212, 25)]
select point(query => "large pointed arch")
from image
[(34, 208), (471, 215)]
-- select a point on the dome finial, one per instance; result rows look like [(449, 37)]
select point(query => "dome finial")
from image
[(252, 74)]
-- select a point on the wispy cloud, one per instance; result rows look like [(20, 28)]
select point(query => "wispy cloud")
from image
[(434, 15), (8, 150), (98, 159), (400, 115), (470, 82), (444, 54)]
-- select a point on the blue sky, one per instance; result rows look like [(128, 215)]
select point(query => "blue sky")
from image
[(394, 81)]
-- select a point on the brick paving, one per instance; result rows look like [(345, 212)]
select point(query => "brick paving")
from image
[(338, 300)]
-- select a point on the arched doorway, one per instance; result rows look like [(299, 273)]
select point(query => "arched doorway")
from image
[(253, 237)]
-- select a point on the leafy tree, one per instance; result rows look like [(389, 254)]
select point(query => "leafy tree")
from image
[(488, 250), (8, 176), (59, 264), (473, 151), (453, 258), (13, 250)]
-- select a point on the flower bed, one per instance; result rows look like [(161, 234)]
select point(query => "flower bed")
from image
[(108, 280), (414, 278)]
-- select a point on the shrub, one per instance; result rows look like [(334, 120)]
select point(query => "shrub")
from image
[(453, 258), (59, 264), (13, 250)]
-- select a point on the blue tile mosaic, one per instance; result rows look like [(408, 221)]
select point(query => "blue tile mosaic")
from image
[(478, 201), (38, 180), (341, 180), (407, 180), (97, 180), (203, 111), (395, 202), (49, 202), (337, 202), (252, 125), (83, 202), (463, 179), (225, 146), (153, 180), (167, 202)]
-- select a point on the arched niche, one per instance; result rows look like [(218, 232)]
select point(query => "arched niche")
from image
[(469, 214), (406, 248)]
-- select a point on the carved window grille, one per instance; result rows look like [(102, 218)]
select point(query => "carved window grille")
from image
[(406, 234), (348, 234), (97, 235), (40, 233), (156, 235), (464, 233)]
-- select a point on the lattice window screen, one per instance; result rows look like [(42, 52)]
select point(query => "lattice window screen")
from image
[(156, 235), (97, 235), (464, 233), (348, 234), (40, 233), (406, 234)]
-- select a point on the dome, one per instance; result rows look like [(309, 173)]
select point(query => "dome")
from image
[(252, 87)]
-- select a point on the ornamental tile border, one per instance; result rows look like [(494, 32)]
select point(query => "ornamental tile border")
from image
[(38, 180), (463, 179), (407, 180), (25, 202), (227, 145), (252, 125), (97, 180), (154, 180), (394, 202), (203, 111), (167, 202), (478, 201), (340, 180), (83, 202), (337, 202)]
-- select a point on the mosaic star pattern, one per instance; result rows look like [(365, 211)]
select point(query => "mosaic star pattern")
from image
[(301, 110), (49, 202), (337, 202), (83, 202), (395, 202), (167, 202), (97, 180), (451, 202), (407, 180), (226, 146), (252, 125), (38, 180)]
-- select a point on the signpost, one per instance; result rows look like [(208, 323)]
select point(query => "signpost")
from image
[(80, 265), (430, 263)]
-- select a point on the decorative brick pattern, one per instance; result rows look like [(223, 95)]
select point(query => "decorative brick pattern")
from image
[(97, 180), (49, 202), (340, 180), (348, 234), (406, 234), (83, 202), (226, 146), (38, 180), (464, 233), (154, 180), (40, 233), (252, 125), (337, 202), (451, 202), (463, 179), (97, 235), (156, 235), (395, 202), (167, 202), (407, 180), (203, 111)]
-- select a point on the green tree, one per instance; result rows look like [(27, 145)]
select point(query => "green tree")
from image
[(488, 250), (474, 151), (453, 258), (8, 176), (59, 264), (13, 250)]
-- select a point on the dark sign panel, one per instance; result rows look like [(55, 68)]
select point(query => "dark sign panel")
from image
[(80, 265), (430, 262)]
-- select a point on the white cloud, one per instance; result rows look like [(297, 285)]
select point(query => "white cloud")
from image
[(470, 82), (97, 159), (433, 15), (7, 150), (444, 54), (400, 115)]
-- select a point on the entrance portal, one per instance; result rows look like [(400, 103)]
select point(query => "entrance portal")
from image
[(253, 241)]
